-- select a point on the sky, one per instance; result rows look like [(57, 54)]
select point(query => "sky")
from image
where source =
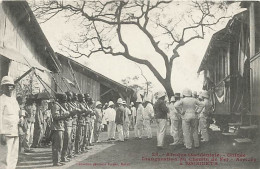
[(117, 68)]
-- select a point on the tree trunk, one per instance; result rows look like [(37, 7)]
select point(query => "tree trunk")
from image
[(168, 88)]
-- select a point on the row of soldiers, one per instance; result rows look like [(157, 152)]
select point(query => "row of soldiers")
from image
[(70, 123)]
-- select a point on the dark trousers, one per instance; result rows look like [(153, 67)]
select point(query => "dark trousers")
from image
[(97, 129), (73, 138), (86, 135), (57, 145), (79, 138), (66, 149)]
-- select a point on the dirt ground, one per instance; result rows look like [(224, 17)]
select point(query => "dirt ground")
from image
[(219, 153)]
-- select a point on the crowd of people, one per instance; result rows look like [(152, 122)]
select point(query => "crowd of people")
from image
[(71, 122)]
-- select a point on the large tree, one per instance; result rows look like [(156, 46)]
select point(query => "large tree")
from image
[(165, 30)]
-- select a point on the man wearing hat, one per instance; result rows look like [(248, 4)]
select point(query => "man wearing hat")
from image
[(120, 112), (126, 121), (66, 153), (175, 117), (9, 120), (59, 114), (139, 118), (147, 116), (189, 108), (30, 108), (111, 117), (98, 121), (39, 122), (203, 116), (73, 120), (104, 119), (133, 118), (161, 111)]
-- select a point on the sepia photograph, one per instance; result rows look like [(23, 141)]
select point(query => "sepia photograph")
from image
[(137, 84)]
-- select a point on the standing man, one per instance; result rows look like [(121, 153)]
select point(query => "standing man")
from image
[(120, 112), (175, 117), (87, 116), (161, 111), (147, 116), (111, 117), (139, 118), (203, 116), (66, 149), (59, 114), (98, 121), (73, 111), (133, 110), (38, 125), (92, 121), (189, 108), (9, 120), (126, 121), (30, 108)]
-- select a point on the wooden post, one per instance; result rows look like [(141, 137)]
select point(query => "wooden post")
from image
[(252, 28)]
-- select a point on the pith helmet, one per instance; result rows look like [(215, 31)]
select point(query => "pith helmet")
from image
[(119, 101), (132, 103), (124, 102), (7, 80), (98, 103), (148, 97), (110, 103), (187, 92), (172, 99), (161, 94), (139, 99), (205, 94)]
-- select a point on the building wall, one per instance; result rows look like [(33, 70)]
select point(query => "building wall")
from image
[(11, 37), (86, 84)]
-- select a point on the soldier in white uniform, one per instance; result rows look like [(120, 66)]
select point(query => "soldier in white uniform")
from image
[(133, 110), (176, 126), (111, 117), (189, 112), (139, 118), (126, 124), (9, 120), (147, 116)]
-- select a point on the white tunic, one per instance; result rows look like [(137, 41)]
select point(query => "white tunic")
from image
[(9, 115)]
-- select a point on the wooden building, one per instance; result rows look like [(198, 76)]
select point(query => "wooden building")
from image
[(231, 68), (23, 45), (97, 85)]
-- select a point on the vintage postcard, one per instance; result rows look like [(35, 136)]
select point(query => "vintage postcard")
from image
[(129, 84)]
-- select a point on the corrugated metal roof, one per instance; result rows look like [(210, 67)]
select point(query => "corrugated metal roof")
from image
[(97, 76), (221, 36)]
